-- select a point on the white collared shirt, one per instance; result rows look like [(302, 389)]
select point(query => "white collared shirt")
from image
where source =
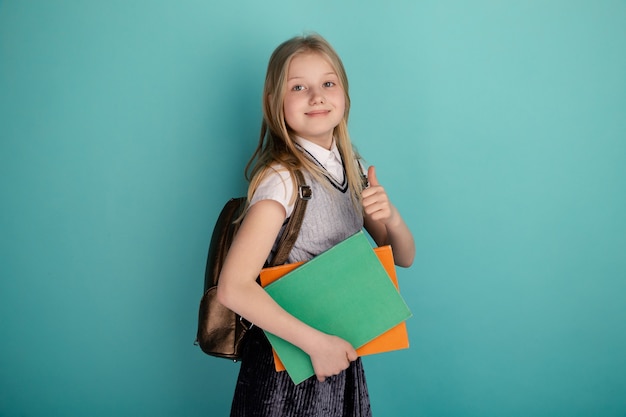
[(277, 185), (329, 159)]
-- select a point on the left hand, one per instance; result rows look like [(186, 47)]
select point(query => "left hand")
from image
[(376, 204), (385, 224)]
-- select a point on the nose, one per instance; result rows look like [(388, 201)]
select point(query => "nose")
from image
[(317, 96)]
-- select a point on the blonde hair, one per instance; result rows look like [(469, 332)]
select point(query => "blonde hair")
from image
[(276, 142)]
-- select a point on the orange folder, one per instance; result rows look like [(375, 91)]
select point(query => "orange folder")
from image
[(394, 339)]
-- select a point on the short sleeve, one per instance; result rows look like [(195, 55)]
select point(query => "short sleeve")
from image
[(363, 167), (277, 185)]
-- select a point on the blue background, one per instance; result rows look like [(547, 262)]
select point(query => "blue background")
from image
[(497, 127)]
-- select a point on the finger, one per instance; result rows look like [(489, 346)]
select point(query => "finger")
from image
[(371, 176), (372, 205)]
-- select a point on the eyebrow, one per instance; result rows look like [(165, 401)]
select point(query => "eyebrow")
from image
[(297, 76)]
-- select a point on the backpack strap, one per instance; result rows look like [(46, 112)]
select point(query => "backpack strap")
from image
[(365, 183), (290, 234)]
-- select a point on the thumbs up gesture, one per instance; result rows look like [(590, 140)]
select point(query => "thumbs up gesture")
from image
[(385, 224), (375, 201)]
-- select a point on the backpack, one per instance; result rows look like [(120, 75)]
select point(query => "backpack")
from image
[(220, 330)]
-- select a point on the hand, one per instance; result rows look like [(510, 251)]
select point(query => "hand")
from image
[(385, 224), (375, 201), (330, 356)]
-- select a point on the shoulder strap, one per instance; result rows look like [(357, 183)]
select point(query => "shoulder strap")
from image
[(365, 183), (290, 234)]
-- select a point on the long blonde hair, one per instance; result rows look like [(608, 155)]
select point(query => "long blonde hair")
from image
[(276, 142)]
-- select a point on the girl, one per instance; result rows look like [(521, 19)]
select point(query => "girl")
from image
[(305, 116)]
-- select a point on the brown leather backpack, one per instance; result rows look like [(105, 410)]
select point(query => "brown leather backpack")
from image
[(220, 330)]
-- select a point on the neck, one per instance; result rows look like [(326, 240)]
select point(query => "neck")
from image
[(326, 142)]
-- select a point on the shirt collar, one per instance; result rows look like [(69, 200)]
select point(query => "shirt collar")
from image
[(318, 152)]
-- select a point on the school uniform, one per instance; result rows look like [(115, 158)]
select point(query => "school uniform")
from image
[(330, 218)]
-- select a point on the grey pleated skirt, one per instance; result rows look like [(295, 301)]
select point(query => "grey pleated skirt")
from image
[(263, 392)]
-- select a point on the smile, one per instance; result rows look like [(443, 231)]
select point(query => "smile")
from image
[(317, 113)]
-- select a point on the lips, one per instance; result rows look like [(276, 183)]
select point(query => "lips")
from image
[(317, 113)]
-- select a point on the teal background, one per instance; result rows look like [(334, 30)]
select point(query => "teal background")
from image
[(497, 127)]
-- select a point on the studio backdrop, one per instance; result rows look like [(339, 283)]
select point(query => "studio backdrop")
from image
[(498, 129)]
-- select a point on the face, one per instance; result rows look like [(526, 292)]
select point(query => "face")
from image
[(314, 101)]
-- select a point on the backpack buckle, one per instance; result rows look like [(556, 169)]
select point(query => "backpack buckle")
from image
[(245, 323), (305, 193)]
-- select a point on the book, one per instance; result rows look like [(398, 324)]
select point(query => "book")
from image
[(395, 338), (344, 291)]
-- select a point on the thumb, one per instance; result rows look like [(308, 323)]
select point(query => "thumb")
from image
[(371, 176), (352, 355)]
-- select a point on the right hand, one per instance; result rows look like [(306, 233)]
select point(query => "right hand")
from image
[(331, 356)]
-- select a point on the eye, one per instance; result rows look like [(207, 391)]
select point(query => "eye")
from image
[(297, 88), (329, 84)]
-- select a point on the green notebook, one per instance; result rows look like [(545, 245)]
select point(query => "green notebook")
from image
[(344, 291)]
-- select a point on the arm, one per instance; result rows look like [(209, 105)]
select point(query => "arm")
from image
[(239, 291), (385, 224)]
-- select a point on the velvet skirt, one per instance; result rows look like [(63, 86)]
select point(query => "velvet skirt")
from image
[(263, 392)]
